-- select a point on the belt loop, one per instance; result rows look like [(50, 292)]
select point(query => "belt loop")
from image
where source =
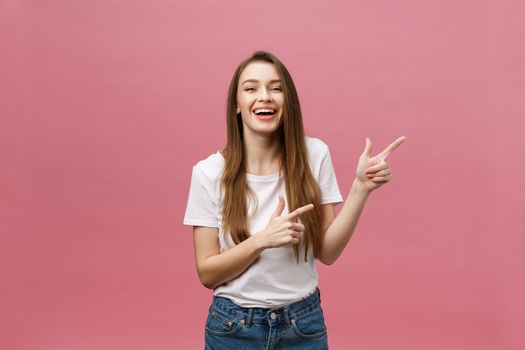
[(319, 293), (286, 315), (249, 319)]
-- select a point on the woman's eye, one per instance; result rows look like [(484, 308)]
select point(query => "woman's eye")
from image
[(252, 89)]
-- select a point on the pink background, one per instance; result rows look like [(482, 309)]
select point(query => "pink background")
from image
[(106, 105)]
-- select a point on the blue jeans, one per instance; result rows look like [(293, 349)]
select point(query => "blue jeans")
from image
[(299, 325)]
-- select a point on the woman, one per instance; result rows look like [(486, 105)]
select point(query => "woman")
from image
[(262, 212)]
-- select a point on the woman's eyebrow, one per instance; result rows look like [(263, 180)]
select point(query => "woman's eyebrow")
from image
[(255, 81)]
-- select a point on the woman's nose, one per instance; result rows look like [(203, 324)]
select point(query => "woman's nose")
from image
[(264, 95)]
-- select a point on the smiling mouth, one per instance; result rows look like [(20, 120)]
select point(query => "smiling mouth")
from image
[(264, 111), (264, 114)]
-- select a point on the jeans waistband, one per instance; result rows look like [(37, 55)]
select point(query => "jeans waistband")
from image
[(272, 315)]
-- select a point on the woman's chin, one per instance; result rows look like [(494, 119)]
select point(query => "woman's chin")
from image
[(263, 129)]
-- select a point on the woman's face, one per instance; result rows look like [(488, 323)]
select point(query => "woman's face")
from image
[(260, 98)]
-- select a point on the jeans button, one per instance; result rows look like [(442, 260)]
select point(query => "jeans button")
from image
[(273, 315)]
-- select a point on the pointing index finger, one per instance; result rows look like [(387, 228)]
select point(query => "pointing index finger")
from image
[(295, 214), (386, 152)]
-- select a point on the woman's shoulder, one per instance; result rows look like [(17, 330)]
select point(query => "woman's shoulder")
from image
[(317, 148), (315, 142), (211, 166)]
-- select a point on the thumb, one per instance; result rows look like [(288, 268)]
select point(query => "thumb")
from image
[(280, 207), (368, 147)]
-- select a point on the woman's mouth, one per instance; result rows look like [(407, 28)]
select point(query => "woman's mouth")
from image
[(264, 113)]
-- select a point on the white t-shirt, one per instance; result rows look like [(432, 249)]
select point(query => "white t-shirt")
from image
[(275, 279)]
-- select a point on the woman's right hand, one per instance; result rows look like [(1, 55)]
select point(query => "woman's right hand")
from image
[(282, 230)]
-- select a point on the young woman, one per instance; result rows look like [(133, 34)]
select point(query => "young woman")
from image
[(262, 212)]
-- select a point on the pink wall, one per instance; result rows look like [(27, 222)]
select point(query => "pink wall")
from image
[(106, 105)]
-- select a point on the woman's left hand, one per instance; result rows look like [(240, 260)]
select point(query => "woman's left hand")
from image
[(373, 172)]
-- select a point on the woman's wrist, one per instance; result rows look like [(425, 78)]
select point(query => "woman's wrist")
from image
[(360, 188), (258, 241)]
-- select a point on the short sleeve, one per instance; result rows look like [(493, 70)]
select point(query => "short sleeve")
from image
[(327, 180), (201, 207)]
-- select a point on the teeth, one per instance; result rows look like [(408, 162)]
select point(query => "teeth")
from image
[(263, 110)]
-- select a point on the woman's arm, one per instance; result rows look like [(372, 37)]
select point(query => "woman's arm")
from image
[(371, 173), (215, 268), (342, 227)]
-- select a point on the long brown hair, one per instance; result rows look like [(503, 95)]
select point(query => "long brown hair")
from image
[(301, 186)]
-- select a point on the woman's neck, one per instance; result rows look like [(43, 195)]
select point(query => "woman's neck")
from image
[(262, 155)]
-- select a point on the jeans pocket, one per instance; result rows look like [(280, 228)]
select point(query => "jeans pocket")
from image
[(311, 325), (222, 324)]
